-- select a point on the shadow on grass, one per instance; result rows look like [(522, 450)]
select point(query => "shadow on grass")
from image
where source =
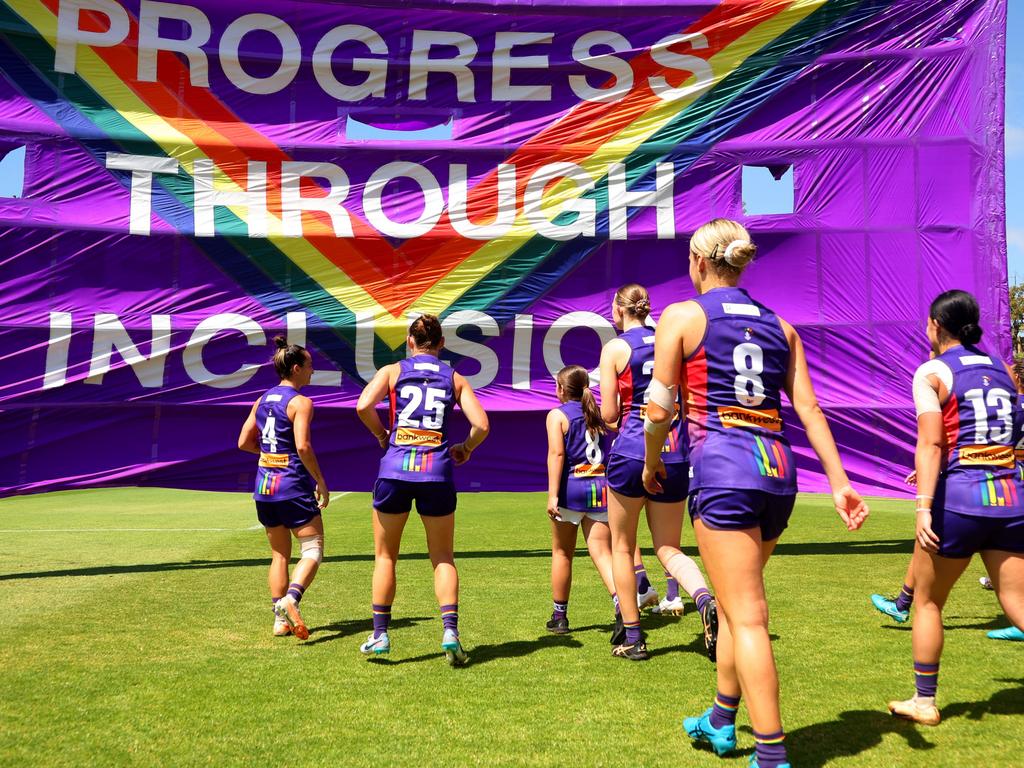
[(1008, 701), (807, 548), (854, 731), (513, 649), (357, 627), (857, 731), (996, 623)]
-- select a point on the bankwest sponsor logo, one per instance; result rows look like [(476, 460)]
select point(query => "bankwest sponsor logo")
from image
[(734, 416), (274, 460), (588, 470), (988, 455), (409, 436)]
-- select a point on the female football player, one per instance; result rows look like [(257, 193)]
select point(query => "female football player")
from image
[(290, 490), (734, 357), (577, 490), (417, 467), (970, 491), (626, 365)]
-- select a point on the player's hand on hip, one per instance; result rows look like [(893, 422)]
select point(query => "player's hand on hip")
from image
[(650, 477), (553, 507), (460, 453)]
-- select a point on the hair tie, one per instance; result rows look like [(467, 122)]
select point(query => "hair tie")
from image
[(732, 247)]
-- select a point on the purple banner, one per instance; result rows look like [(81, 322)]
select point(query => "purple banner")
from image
[(200, 177)]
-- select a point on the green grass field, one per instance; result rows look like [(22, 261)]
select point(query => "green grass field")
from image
[(137, 632)]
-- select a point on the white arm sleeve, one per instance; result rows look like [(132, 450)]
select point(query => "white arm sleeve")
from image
[(926, 399)]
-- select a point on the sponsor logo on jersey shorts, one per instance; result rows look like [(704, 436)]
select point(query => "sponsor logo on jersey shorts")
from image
[(588, 470)]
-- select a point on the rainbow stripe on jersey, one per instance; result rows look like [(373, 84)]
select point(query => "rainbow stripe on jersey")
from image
[(417, 461), (269, 482), (770, 457), (997, 492)]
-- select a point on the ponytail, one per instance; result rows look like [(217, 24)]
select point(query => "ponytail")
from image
[(591, 413), (575, 383)]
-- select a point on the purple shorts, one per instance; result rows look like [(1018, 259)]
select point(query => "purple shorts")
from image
[(964, 535), (291, 513), (433, 499), (732, 509), (625, 477)]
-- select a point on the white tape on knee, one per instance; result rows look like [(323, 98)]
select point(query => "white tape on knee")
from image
[(312, 547), (664, 396)]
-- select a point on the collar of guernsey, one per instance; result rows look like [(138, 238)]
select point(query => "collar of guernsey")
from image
[(734, 381), (632, 383)]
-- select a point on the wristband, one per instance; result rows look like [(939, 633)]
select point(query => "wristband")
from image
[(923, 509), (922, 496)]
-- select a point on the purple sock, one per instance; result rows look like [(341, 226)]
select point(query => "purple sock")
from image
[(295, 590), (701, 597), (905, 599), (560, 610), (642, 582), (632, 632), (450, 617), (926, 678), (723, 711), (381, 619), (671, 587), (770, 749)]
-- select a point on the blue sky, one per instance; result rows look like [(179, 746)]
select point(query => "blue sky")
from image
[(760, 186), (1015, 142)]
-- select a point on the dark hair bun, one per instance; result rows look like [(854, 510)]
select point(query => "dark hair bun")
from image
[(970, 334), (280, 342)]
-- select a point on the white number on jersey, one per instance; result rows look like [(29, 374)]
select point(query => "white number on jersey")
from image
[(415, 395), (748, 359), (647, 369), (594, 455), (1002, 432), (268, 435)]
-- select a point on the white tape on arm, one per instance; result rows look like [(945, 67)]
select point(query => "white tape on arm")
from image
[(926, 399), (661, 395)]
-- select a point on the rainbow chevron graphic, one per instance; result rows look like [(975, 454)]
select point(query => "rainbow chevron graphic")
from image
[(754, 50)]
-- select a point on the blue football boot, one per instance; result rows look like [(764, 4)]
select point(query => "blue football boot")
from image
[(722, 740), (888, 606), (1006, 633)]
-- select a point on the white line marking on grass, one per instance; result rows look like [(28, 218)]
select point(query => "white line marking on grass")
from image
[(255, 527), (124, 530)]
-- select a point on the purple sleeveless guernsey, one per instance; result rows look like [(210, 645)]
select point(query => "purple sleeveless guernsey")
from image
[(584, 487), (981, 476), (733, 382), (421, 406), (633, 383), (280, 475)]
